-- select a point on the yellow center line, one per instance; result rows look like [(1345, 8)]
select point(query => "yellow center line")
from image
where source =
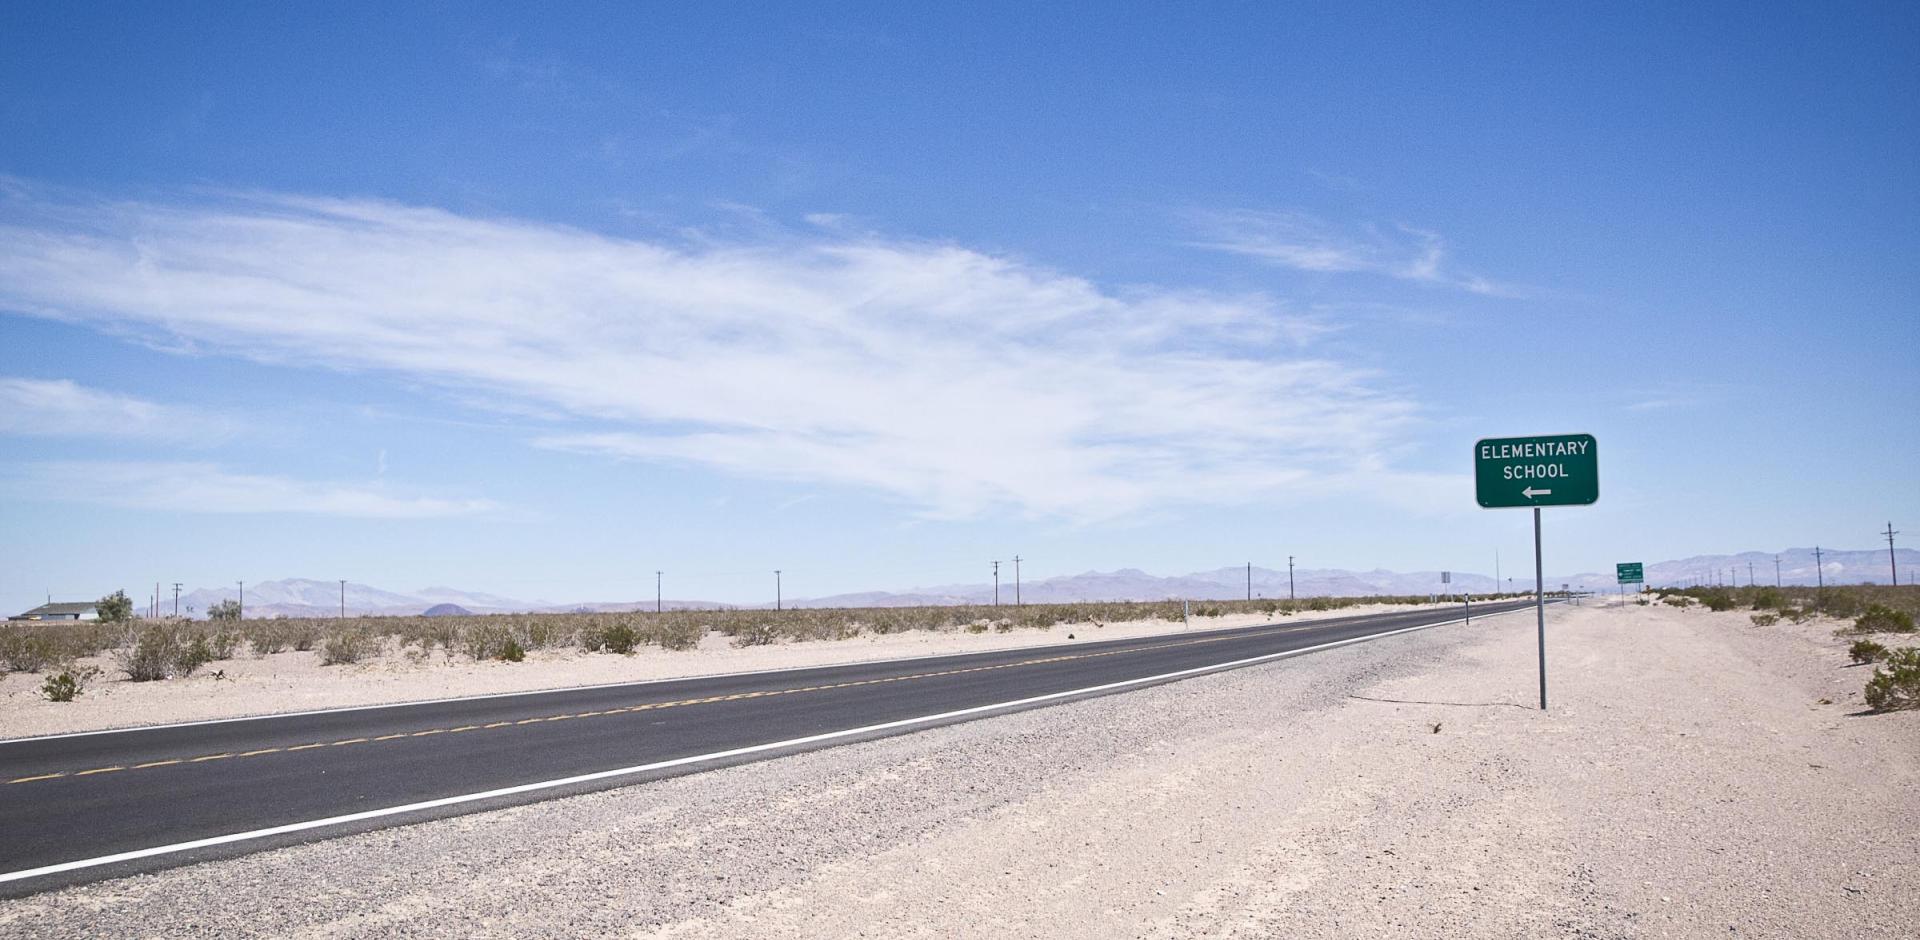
[(647, 706)]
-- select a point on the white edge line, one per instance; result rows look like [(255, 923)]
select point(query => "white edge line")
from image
[(675, 762), (705, 675)]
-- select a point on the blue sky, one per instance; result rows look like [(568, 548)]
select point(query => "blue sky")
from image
[(540, 303)]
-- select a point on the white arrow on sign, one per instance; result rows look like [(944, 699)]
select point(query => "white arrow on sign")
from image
[(1530, 492)]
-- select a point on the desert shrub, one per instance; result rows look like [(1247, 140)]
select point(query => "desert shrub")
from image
[(1896, 681), (1717, 600), (1764, 620), (349, 646), (616, 637), (485, 640), (227, 611), (679, 635), (1769, 599), (303, 636), (1866, 651), (1677, 600), (1796, 614), (978, 626), (1843, 604), (195, 652), (541, 633), (266, 637), (161, 652), (67, 684), (115, 608), (1880, 618), (23, 650), (222, 643), (511, 651), (756, 634)]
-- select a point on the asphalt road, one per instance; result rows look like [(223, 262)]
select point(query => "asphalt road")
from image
[(76, 803)]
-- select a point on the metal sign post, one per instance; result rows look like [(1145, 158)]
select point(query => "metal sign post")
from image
[(1551, 470)]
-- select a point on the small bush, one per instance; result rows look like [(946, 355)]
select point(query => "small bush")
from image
[(67, 684), (757, 634), (162, 652), (1866, 651), (1769, 599), (227, 611), (266, 637), (511, 651), (978, 626), (341, 648), (485, 641), (1882, 619), (1896, 681), (222, 643), (678, 636), (23, 651), (1764, 620), (1677, 600), (617, 637), (1717, 600)]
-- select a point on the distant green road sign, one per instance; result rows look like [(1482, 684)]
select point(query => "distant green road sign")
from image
[(1628, 572), (1554, 470)]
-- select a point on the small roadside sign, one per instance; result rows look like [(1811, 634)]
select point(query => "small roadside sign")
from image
[(1446, 577), (1551, 470), (1629, 572)]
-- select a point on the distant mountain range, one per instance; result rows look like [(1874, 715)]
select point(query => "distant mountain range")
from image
[(301, 597)]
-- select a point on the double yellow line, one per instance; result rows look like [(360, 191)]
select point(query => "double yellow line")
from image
[(650, 706)]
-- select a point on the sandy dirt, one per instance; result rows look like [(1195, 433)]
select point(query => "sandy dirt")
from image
[(1698, 776), (295, 681)]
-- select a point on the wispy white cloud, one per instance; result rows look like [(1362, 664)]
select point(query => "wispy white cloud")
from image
[(63, 408), (206, 488), (954, 380), (1306, 243)]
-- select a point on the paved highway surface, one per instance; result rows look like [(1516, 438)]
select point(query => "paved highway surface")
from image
[(83, 807)]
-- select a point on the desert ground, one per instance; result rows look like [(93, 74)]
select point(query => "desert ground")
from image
[(291, 681), (1697, 776)]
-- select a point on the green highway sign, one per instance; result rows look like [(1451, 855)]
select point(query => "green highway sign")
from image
[(1628, 572), (1553, 470)]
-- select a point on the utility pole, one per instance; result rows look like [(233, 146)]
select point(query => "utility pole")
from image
[(343, 598), (777, 601), (996, 584), (1249, 580), (1776, 571), (656, 592), (1749, 574), (1016, 580), (1820, 578), (243, 600), (1289, 578), (1892, 565), (176, 598)]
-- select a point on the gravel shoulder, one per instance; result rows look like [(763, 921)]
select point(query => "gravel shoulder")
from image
[(1689, 781), (295, 681)]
